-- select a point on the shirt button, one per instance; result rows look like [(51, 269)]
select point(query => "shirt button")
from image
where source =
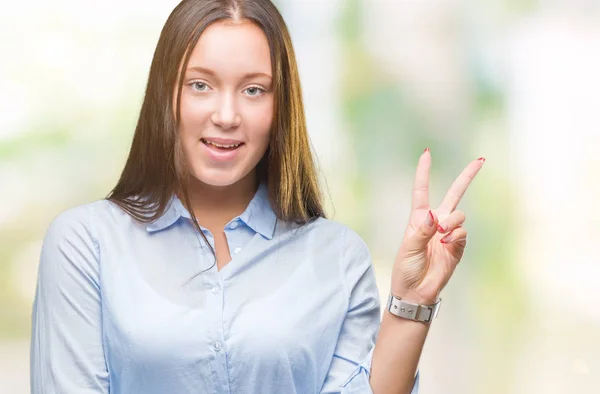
[(233, 225), (215, 289), (237, 250), (217, 346)]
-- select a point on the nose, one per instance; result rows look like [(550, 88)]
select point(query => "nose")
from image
[(226, 114)]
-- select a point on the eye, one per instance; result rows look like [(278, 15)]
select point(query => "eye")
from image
[(199, 86), (254, 91)]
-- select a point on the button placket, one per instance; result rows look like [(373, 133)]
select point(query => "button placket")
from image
[(215, 286)]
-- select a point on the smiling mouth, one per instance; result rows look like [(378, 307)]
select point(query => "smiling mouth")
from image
[(221, 147)]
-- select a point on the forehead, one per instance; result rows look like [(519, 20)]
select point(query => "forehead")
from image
[(232, 49)]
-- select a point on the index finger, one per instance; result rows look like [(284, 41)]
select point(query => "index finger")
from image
[(420, 196), (460, 186)]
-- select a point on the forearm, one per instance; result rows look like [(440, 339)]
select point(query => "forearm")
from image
[(396, 355)]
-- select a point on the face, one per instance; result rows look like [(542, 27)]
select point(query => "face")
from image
[(227, 103)]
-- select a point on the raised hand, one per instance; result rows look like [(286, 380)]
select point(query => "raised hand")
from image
[(434, 240)]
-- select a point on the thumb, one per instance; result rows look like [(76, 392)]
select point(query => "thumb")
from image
[(419, 240)]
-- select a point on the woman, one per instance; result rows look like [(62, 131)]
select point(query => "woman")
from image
[(211, 267)]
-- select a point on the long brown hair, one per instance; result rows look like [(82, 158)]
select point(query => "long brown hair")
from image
[(156, 166)]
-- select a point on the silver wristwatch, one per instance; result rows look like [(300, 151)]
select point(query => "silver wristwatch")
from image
[(423, 313)]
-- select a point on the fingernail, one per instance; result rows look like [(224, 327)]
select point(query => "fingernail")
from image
[(441, 229), (429, 221), (446, 239), (426, 150), (482, 159)]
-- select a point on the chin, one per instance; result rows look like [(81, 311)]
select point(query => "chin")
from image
[(219, 178)]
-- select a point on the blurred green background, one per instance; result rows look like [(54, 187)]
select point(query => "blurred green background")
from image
[(515, 81)]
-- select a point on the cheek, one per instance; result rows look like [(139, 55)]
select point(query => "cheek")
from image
[(194, 116), (262, 120)]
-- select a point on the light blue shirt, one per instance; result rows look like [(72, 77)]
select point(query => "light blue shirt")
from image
[(124, 307)]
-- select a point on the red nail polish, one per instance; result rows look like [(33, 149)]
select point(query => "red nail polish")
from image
[(441, 229), (429, 221), (426, 150), (482, 159)]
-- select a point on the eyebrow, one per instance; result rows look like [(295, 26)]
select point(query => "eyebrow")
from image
[(212, 73)]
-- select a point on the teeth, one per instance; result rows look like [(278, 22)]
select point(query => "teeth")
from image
[(221, 146)]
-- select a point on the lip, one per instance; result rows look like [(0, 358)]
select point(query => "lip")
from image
[(217, 155), (222, 141)]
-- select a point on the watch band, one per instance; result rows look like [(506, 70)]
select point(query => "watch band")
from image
[(408, 310)]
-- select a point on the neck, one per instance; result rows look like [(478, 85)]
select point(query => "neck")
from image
[(215, 206)]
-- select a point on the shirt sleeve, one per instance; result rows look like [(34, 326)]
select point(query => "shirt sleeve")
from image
[(351, 365), (67, 353)]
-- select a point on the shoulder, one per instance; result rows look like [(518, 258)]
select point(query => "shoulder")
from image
[(333, 238), (327, 236), (345, 237), (90, 219), (70, 221), (70, 248), (78, 219), (78, 226)]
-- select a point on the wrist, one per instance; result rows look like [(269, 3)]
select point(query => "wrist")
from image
[(416, 296)]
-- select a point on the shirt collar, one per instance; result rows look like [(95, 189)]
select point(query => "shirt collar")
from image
[(259, 215), (169, 217)]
